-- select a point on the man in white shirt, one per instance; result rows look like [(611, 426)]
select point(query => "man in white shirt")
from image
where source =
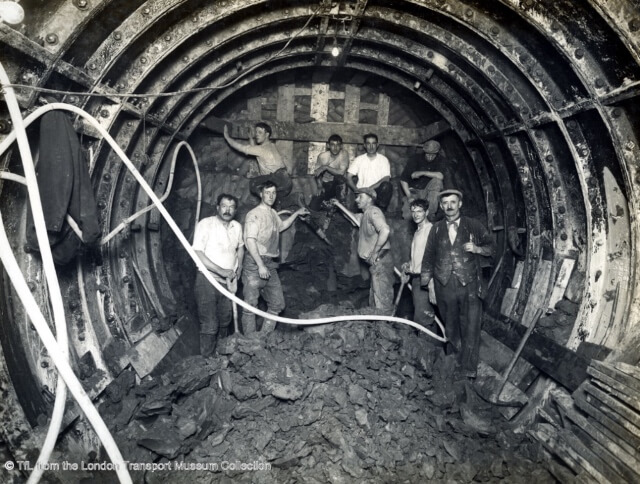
[(373, 171), (218, 242), (270, 163), (422, 299), (262, 229)]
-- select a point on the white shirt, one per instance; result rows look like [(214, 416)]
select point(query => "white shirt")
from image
[(219, 243), (370, 170), (418, 245)]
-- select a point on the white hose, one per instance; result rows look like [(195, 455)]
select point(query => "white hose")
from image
[(57, 305), (57, 355), (59, 352), (89, 410)]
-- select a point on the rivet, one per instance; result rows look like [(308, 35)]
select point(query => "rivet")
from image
[(73, 100), (146, 11), (536, 232), (44, 364), (562, 209), (126, 279), (495, 30), (101, 204), (104, 113), (512, 140), (429, 54), (579, 53), (555, 26), (143, 60), (549, 158), (634, 25), (120, 87), (81, 337), (111, 318), (563, 236), (107, 176), (468, 12), (509, 88), (185, 58), (599, 83), (32, 286), (51, 39), (491, 69), (167, 38), (117, 35), (572, 124), (93, 66), (81, 4), (584, 152), (102, 288), (616, 113)]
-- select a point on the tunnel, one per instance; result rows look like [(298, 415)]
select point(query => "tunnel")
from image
[(535, 105)]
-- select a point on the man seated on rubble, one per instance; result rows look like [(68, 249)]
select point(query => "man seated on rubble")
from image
[(331, 168), (424, 176), (373, 171), (374, 248), (271, 166), (218, 242), (422, 298), (262, 229)]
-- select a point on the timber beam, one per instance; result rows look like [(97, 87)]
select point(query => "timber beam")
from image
[(353, 30), (320, 132)]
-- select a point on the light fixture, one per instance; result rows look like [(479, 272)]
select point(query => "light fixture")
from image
[(11, 13), (335, 50)]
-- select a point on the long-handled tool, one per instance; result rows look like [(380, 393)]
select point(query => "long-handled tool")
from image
[(395, 304), (495, 397), (232, 287)]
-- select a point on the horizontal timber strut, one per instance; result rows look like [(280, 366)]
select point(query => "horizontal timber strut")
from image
[(320, 132)]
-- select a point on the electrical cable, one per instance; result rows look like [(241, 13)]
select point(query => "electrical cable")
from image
[(172, 93)]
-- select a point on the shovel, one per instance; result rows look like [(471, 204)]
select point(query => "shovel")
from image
[(234, 307), (486, 391), (395, 304)]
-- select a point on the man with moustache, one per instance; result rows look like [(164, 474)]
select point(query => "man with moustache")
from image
[(262, 229), (451, 258), (218, 242), (374, 248), (422, 299)]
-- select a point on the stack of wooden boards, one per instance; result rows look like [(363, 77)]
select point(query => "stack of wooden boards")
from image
[(595, 431)]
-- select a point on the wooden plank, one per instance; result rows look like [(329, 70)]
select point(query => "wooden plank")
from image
[(148, 352), (383, 110), (538, 293), (254, 107), (553, 359), (627, 369), (604, 418), (350, 132), (605, 439), (613, 372), (564, 275), (619, 390), (598, 467), (517, 275), (547, 436), (285, 111), (352, 106), (630, 431), (508, 301), (619, 407)]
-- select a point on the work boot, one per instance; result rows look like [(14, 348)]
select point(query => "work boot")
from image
[(268, 326), (249, 328), (207, 344)]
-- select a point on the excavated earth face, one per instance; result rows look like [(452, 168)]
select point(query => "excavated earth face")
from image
[(367, 402)]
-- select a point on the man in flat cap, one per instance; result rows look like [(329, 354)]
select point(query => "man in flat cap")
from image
[(451, 258), (424, 176), (374, 247)]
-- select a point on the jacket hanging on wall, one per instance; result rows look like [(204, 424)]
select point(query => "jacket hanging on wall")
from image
[(65, 188)]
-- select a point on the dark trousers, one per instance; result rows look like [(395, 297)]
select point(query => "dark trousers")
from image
[(254, 287), (461, 309), (280, 177), (422, 308), (384, 192), (214, 313)]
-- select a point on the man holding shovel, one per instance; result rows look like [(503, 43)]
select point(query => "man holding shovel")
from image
[(218, 242), (451, 258)]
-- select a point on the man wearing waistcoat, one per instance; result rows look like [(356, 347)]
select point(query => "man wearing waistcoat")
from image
[(451, 258)]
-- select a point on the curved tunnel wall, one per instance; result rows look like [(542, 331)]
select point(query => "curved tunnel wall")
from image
[(540, 95)]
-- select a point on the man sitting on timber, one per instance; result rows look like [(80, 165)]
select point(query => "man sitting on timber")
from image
[(373, 171), (270, 163), (374, 248), (218, 242), (262, 229), (425, 175), (451, 257), (331, 168), (422, 298)]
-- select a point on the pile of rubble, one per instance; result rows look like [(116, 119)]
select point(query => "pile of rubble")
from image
[(365, 401)]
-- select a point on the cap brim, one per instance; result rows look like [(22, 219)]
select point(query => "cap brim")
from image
[(450, 191)]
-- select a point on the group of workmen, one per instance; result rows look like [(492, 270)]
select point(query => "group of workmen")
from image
[(443, 269)]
